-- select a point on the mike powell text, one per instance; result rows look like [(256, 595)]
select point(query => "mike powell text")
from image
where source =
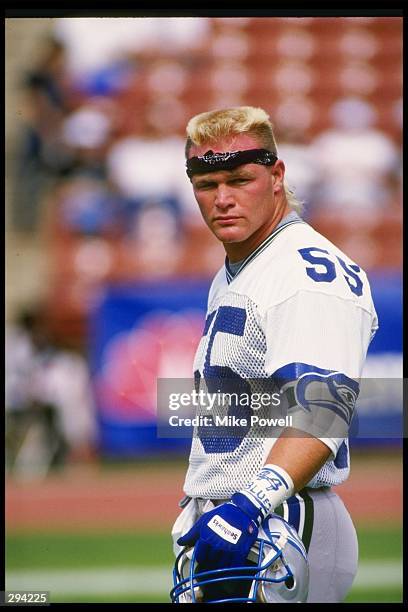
[(230, 421)]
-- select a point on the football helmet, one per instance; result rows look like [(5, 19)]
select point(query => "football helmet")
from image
[(276, 571)]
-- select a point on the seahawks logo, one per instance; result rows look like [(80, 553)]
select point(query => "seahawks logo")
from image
[(336, 392), (273, 483)]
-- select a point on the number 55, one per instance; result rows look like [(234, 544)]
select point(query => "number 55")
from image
[(329, 274)]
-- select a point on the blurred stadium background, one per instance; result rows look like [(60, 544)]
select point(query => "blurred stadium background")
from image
[(108, 265)]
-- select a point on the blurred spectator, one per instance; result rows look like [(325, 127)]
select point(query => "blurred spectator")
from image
[(146, 168), (302, 171), (49, 408), (358, 164), (41, 154), (151, 167), (86, 205), (88, 127), (155, 238), (84, 201), (88, 132), (93, 44)]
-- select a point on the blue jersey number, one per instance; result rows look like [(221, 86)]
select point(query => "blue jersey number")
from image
[(221, 379), (329, 273)]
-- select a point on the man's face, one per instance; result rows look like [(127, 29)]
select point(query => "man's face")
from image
[(236, 204)]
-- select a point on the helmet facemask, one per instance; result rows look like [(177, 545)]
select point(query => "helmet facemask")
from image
[(276, 572)]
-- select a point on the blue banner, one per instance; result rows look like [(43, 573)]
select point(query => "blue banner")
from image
[(384, 361), (137, 334)]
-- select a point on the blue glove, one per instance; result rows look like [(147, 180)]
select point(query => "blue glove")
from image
[(224, 535)]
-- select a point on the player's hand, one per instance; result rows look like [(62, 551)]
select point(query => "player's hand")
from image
[(224, 535)]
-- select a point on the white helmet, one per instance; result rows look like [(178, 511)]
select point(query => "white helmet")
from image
[(277, 571)]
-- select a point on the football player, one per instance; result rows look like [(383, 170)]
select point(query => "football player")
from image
[(289, 308)]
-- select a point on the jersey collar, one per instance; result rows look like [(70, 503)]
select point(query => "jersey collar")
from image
[(291, 220)]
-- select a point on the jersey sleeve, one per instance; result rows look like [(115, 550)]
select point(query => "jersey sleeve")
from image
[(314, 338), (319, 329)]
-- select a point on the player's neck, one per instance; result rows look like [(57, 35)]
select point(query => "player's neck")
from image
[(237, 251)]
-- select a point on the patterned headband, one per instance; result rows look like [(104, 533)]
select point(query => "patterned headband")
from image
[(213, 162)]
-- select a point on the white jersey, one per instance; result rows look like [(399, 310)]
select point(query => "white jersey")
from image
[(296, 304)]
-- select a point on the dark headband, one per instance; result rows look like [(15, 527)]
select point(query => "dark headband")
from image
[(213, 162)]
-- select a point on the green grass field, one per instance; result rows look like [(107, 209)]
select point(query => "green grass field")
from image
[(135, 567)]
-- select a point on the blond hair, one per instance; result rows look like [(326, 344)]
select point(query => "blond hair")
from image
[(211, 126)]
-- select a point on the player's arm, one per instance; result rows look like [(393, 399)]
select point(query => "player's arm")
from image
[(225, 534), (300, 454), (292, 462), (311, 365)]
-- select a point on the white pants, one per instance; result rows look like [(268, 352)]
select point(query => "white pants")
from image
[(333, 550), (327, 530)]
